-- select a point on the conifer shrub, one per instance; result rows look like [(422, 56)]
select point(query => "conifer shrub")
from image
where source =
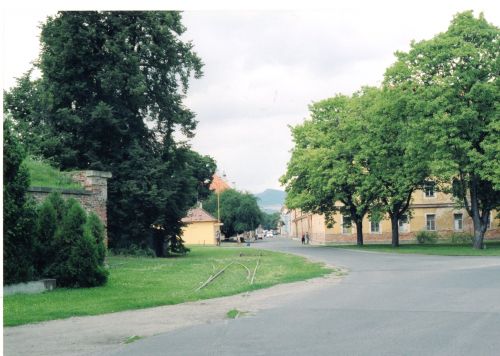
[(60, 206), (45, 230), (77, 262), (18, 211), (96, 230), (84, 269)]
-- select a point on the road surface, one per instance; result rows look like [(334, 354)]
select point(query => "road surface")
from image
[(388, 304)]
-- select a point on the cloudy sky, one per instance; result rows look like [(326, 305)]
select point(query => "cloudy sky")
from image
[(264, 67)]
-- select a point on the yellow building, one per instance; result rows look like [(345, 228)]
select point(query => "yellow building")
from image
[(200, 229), (430, 211)]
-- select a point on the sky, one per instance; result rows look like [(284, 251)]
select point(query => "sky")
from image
[(265, 63)]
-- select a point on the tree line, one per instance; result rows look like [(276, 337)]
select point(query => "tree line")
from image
[(239, 212), (110, 97), (435, 116)]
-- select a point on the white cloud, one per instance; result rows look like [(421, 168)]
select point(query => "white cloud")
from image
[(263, 68)]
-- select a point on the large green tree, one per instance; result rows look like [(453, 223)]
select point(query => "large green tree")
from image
[(239, 212), (110, 98), (393, 152), (455, 78), (324, 174), (106, 75)]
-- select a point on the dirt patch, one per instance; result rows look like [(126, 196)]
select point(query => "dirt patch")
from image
[(104, 333)]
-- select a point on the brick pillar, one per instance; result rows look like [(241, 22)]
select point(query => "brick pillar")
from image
[(95, 182)]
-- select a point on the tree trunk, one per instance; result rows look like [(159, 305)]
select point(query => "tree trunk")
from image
[(478, 238), (359, 233), (159, 241), (395, 230), (479, 225)]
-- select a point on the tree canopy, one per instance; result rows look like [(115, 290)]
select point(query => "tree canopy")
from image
[(454, 80), (325, 168), (110, 98), (436, 116), (239, 212)]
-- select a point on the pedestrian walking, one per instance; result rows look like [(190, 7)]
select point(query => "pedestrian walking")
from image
[(303, 239), (307, 238), (217, 237)]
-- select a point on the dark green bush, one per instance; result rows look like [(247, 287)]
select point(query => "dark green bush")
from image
[(96, 230), (69, 232), (427, 237), (45, 230), (461, 238), (56, 240), (84, 269), (70, 244), (59, 205), (18, 212)]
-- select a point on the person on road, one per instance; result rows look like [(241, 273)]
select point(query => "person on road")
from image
[(303, 239)]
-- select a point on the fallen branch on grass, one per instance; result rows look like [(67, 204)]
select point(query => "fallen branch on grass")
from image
[(212, 277), (255, 270), (248, 270)]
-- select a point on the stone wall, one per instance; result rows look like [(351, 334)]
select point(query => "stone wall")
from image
[(93, 197)]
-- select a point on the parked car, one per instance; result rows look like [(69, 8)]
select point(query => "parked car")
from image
[(269, 234), (260, 235)]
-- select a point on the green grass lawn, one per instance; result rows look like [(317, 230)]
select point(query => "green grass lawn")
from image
[(445, 249), (44, 175), (147, 282)]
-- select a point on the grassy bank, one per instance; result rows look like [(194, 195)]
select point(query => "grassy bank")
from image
[(136, 283), (444, 249), (44, 175)]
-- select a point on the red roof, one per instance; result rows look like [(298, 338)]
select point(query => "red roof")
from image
[(218, 184), (198, 214)]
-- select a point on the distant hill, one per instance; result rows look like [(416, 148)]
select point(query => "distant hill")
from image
[(271, 200)]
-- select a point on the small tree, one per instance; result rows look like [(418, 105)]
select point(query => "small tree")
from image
[(74, 251), (270, 220), (238, 211), (46, 226), (84, 267), (18, 210), (68, 234), (60, 206), (95, 229)]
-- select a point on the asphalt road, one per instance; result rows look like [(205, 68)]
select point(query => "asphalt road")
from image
[(387, 305)]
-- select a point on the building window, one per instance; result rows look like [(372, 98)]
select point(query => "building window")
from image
[(346, 225), (429, 189), (375, 227), (458, 222), (403, 223), (430, 222)]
